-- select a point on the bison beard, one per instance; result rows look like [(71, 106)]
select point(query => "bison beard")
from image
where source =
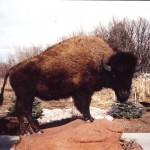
[(74, 67)]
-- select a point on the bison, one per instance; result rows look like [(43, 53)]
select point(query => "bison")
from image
[(76, 67)]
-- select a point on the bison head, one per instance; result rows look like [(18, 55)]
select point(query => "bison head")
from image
[(121, 68)]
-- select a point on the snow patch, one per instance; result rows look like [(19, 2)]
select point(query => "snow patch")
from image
[(59, 114)]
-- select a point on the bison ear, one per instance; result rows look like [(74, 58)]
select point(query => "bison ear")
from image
[(105, 66), (140, 66)]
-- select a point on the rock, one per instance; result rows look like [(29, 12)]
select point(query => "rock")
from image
[(77, 135)]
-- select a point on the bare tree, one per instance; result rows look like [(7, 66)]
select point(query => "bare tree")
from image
[(3, 68), (11, 60), (128, 35), (21, 54), (119, 37), (27, 52), (142, 39)]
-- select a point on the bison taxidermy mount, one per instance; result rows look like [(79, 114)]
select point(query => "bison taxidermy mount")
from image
[(76, 67)]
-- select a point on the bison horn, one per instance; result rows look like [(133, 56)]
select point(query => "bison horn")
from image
[(105, 66), (139, 67)]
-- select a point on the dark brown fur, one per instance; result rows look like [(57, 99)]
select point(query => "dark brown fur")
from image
[(70, 68)]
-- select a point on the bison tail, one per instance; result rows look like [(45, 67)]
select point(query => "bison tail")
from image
[(3, 87)]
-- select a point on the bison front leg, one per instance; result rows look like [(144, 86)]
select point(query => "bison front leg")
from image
[(82, 102)]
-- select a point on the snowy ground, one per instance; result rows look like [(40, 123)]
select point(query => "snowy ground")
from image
[(59, 114)]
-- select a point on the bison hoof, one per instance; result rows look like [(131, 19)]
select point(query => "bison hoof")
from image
[(40, 132), (87, 120), (26, 132)]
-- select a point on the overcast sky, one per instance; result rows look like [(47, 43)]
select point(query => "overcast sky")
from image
[(43, 22)]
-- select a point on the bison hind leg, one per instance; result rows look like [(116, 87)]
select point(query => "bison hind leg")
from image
[(20, 114), (33, 124), (24, 109), (82, 102)]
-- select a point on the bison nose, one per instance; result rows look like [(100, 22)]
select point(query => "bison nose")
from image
[(124, 94)]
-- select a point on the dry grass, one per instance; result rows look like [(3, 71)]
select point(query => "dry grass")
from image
[(103, 99), (130, 145), (141, 88), (8, 95)]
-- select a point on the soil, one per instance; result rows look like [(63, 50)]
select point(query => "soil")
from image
[(103, 100)]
